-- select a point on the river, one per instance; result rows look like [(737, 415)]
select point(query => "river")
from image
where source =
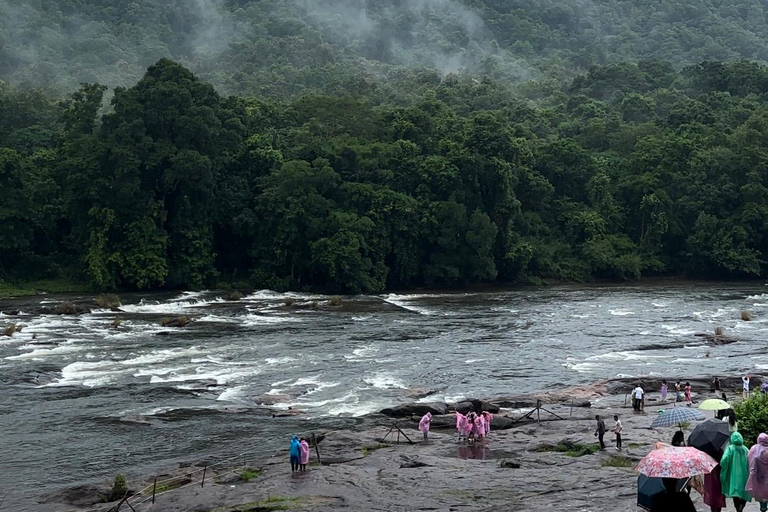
[(81, 401)]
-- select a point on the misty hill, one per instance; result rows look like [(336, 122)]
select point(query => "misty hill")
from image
[(287, 47)]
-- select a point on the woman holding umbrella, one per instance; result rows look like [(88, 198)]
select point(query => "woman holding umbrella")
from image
[(757, 483), (734, 471), (671, 464)]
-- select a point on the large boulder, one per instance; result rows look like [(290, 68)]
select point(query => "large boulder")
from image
[(473, 404), (401, 411)]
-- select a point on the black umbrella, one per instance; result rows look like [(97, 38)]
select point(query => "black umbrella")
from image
[(711, 437), (648, 487)]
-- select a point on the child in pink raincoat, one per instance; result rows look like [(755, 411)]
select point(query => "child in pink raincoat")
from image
[(303, 454), (424, 424), (488, 417)]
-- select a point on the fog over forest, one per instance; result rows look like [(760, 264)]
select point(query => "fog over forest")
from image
[(60, 44)]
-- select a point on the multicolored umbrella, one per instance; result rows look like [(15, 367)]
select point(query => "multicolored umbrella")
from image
[(676, 462), (676, 416), (714, 404)]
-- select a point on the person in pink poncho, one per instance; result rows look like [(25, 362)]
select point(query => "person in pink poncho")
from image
[(303, 454), (424, 424), (470, 425), (487, 417), (461, 422), (757, 483), (479, 426)]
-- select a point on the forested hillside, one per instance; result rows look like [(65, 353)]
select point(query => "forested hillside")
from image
[(628, 170), (386, 49)]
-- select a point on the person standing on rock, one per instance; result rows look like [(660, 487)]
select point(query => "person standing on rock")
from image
[(734, 472), (295, 454), (678, 392), (688, 394), (461, 421), (745, 386), (479, 426), (617, 430), (757, 483), (600, 432), (303, 453), (471, 425), (487, 416), (638, 395), (424, 424), (664, 391), (713, 490)]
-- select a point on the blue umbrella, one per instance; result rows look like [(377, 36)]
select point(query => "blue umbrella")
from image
[(676, 416)]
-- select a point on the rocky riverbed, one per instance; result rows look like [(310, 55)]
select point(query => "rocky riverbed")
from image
[(523, 465)]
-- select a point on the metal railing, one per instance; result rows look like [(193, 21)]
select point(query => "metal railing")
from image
[(210, 470)]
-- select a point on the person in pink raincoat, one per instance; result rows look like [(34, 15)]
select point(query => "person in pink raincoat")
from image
[(757, 483), (479, 426), (303, 454), (471, 425), (488, 417), (424, 424), (461, 421)]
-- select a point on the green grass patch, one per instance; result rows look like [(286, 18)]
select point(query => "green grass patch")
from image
[(249, 474), (280, 499), (634, 445), (368, 449), (170, 486), (23, 289), (618, 461), (570, 449)]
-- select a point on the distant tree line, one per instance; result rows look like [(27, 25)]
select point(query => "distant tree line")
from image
[(628, 170)]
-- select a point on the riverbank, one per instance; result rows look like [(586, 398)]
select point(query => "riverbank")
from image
[(45, 286), (529, 465)]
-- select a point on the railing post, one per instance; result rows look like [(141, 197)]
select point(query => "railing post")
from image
[(154, 488), (204, 470)]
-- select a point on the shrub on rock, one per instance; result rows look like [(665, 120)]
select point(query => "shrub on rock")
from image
[(108, 301)]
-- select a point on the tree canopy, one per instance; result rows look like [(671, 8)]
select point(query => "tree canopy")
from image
[(627, 170)]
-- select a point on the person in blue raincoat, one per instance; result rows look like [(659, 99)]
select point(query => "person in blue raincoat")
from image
[(295, 453)]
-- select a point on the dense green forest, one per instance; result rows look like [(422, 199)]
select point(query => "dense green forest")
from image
[(359, 145), (629, 170)]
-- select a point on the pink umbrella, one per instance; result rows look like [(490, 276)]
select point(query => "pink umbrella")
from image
[(676, 462)]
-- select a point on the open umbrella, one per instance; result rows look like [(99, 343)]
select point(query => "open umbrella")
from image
[(648, 487), (676, 462), (714, 404), (676, 416), (711, 437)]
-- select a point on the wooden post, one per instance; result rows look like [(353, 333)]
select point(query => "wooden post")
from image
[(202, 484), (154, 488), (317, 448)]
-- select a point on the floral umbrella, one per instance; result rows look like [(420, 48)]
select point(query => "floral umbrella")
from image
[(676, 462)]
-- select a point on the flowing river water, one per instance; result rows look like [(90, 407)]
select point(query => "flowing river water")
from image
[(81, 401)]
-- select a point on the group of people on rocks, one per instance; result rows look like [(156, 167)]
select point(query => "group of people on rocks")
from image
[(299, 454), (473, 426), (470, 426)]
